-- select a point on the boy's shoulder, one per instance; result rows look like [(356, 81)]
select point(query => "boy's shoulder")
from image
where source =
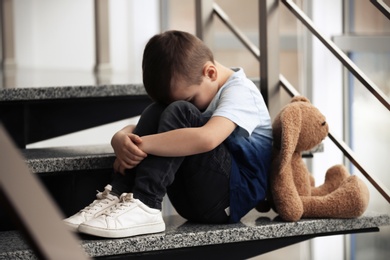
[(238, 80)]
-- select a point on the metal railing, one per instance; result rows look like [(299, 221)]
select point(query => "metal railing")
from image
[(382, 6), (293, 92), (37, 215), (339, 54), (236, 31)]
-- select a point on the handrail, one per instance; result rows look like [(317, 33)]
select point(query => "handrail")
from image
[(383, 7), (43, 227), (288, 86), (381, 188), (344, 148), (293, 92), (236, 31), (340, 55)]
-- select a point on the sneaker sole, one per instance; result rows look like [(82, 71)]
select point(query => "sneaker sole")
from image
[(150, 228), (72, 227)]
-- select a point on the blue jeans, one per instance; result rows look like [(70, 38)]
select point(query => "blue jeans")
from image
[(197, 185)]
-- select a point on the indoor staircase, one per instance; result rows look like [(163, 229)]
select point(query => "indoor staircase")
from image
[(71, 176)]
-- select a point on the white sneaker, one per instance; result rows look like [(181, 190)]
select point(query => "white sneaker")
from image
[(129, 217), (104, 201)]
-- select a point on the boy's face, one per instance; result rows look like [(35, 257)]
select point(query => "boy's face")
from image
[(200, 95)]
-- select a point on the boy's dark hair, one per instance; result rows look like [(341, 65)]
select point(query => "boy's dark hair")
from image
[(172, 56)]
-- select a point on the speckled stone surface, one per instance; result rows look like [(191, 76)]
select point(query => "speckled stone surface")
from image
[(43, 93), (180, 234), (69, 158)]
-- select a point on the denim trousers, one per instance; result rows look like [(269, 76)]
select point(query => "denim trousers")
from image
[(197, 185)]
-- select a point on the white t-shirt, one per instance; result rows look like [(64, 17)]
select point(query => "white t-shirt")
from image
[(240, 101)]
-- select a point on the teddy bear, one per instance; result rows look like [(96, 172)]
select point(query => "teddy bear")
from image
[(299, 127)]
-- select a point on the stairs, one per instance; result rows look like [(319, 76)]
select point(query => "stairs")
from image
[(253, 236), (34, 114), (72, 175)]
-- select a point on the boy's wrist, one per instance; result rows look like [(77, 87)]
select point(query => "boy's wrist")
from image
[(115, 138)]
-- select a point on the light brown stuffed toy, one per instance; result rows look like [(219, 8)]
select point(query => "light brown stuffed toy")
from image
[(299, 127)]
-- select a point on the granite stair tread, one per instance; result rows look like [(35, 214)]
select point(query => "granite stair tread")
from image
[(60, 159), (67, 92), (182, 234)]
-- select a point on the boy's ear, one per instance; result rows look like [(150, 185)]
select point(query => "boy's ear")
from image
[(210, 71)]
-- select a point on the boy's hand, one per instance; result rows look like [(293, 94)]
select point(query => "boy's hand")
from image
[(128, 155)]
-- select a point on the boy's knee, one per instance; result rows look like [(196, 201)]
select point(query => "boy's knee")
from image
[(179, 104), (180, 107), (180, 114), (154, 109)]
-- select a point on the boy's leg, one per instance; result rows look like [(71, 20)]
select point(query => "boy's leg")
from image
[(201, 190), (147, 124), (199, 184), (154, 174), (139, 212)]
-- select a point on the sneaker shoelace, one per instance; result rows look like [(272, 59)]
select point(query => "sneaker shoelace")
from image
[(124, 201), (102, 200)]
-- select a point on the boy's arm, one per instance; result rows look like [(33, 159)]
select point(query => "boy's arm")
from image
[(188, 141), (124, 143)]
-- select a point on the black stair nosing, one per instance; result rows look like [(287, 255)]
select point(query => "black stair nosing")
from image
[(72, 158), (182, 234)]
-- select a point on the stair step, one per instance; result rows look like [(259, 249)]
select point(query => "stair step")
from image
[(39, 113), (63, 159), (60, 159), (71, 175), (187, 237), (69, 92)]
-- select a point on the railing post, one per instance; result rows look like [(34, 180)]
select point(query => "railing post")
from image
[(204, 21), (7, 44), (102, 40), (269, 54), (7, 35)]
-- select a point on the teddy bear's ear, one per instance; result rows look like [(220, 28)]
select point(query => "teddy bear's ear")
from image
[(300, 99), (291, 119)]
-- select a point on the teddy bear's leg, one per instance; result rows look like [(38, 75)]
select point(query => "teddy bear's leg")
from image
[(333, 179), (350, 200), (286, 199)]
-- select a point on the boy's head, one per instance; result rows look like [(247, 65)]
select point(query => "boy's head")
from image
[(170, 57)]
